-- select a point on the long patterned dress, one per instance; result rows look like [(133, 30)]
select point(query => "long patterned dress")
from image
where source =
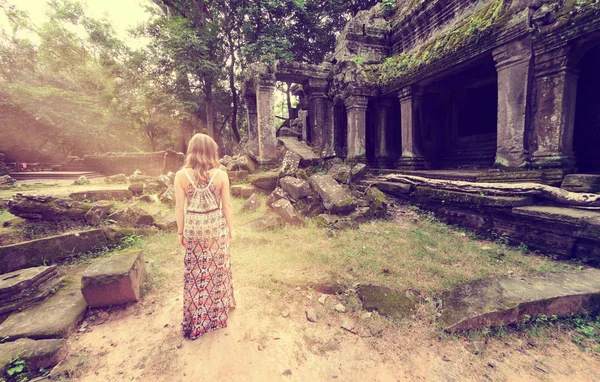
[(208, 290)]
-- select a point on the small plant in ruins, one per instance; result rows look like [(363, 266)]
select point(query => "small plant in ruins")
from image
[(17, 371), (389, 7)]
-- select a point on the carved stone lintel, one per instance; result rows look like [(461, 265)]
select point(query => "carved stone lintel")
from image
[(410, 92), (554, 62), (516, 52), (356, 102)]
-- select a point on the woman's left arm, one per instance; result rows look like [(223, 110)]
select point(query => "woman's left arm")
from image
[(179, 205), (226, 202)]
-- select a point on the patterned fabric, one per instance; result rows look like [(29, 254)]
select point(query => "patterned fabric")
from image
[(203, 214), (208, 290)]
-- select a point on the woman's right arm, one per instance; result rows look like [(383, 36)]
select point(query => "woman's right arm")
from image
[(179, 205), (226, 202)]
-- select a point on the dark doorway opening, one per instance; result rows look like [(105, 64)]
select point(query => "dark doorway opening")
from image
[(372, 126), (340, 134), (460, 118), (586, 135)]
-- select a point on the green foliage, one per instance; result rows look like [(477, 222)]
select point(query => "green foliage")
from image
[(389, 7), (17, 370)]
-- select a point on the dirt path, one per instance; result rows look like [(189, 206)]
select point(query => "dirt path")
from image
[(142, 342)]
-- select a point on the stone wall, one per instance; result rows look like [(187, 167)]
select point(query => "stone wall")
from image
[(152, 164)]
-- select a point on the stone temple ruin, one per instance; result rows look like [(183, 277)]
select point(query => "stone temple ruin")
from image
[(446, 97)]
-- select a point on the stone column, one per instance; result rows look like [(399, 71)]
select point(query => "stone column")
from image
[(303, 115), (514, 64), (267, 138), (356, 108), (382, 154), (411, 110), (317, 112), (556, 87), (252, 144)]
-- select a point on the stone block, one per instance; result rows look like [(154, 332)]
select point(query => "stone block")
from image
[(96, 195), (166, 223), (266, 181), (307, 156), (252, 204), (341, 173), (588, 183), (168, 196), (99, 212), (22, 283), (132, 217), (32, 207), (37, 354), (115, 280), (311, 206), (358, 171), (286, 210), (386, 301), (274, 196), (290, 163), (119, 178), (378, 204), (268, 222), (243, 191), (295, 188), (336, 199), (507, 300), (136, 188), (239, 176)]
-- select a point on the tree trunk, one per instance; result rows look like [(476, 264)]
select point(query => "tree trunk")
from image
[(234, 94), (210, 118), (289, 99)]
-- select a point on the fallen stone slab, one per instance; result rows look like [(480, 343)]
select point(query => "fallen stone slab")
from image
[(295, 188), (252, 204), (290, 164), (51, 249), (274, 196), (473, 200), (581, 183), (96, 195), (341, 172), (132, 217), (166, 223), (400, 190), (386, 301), (99, 212), (243, 191), (6, 182), (507, 300), (118, 178), (55, 317), (307, 156), (37, 354), (286, 210), (336, 199), (268, 222), (115, 280), (32, 207), (266, 181), (239, 176), (26, 286)]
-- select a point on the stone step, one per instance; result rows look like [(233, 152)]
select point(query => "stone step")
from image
[(14, 285), (589, 183), (561, 214), (40, 293), (55, 317), (37, 354), (508, 300)]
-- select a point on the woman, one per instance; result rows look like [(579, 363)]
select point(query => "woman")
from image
[(204, 222)]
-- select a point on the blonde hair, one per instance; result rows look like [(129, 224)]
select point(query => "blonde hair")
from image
[(202, 155)]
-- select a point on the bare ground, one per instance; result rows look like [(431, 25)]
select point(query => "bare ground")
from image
[(143, 342)]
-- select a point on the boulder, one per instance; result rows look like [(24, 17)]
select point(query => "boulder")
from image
[(37, 354), (164, 179), (138, 178), (266, 181), (32, 207), (589, 183), (81, 181), (333, 161), (378, 205), (247, 163), (136, 188), (295, 188), (116, 179), (132, 217), (6, 182), (386, 301), (94, 196), (284, 208), (290, 164), (168, 196), (359, 171), (252, 204), (166, 223), (307, 156), (99, 212), (311, 206), (115, 280), (274, 196), (341, 172), (336, 199), (155, 187), (243, 191), (239, 176), (269, 221), (146, 199)]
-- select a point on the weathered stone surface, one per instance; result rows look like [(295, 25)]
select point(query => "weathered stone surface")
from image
[(166, 223), (139, 178), (155, 187), (55, 317), (252, 204), (378, 205), (386, 301), (114, 280), (358, 171), (37, 354), (266, 181), (146, 199), (582, 183), (274, 196), (311, 206), (336, 199), (168, 196), (119, 178), (290, 164), (136, 188), (506, 300), (6, 182), (269, 221), (132, 217), (96, 195), (32, 207), (341, 173), (307, 156), (294, 187), (20, 289), (81, 181), (560, 214), (284, 208), (401, 190), (243, 191), (237, 176), (51, 249), (473, 200)]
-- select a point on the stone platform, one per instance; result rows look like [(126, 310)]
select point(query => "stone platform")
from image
[(507, 300), (22, 288), (37, 354)]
